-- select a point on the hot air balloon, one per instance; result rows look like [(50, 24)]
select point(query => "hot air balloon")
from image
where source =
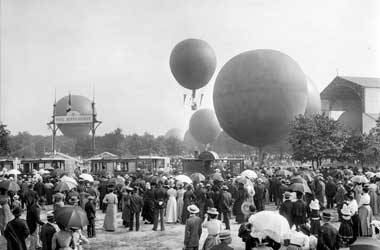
[(352, 119), (174, 133), (313, 105), (257, 94), (204, 126), (192, 63), (190, 143), (74, 105)]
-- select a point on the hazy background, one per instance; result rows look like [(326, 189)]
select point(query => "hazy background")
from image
[(122, 48)]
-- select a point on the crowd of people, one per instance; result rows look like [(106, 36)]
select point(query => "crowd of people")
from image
[(327, 195)]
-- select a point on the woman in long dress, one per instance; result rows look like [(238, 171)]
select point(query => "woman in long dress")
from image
[(180, 193), (365, 214), (171, 206), (147, 212), (110, 219), (214, 227)]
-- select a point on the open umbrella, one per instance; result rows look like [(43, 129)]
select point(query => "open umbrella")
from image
[(359, 179), (66, 178), (14, 172), (284, 172), (64, 186), (198, 177), (216, 177), (300, 187), (9, 186), (249, 174), (307, 177), (87, 177), (369, 175), (365, 243), (297, 179), (43, 171), (183, 178), (271, 224), (70, 217)]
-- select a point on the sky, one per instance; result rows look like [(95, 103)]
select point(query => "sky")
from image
[(120, 49)]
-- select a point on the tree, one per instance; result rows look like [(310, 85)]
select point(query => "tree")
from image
[(317, 138), (22, 145), (4, 140), (356, 148)]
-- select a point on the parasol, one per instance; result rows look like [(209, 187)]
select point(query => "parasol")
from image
[(359, 179), (216, 177), (369, 175), (87, 177), (249, 174), (43, 171), (9, 186), (271, 224), (183, 178), (71, 217), (14, 172), (65, 178), (197, 177), (365, 243), (284, 172), (64, 186), (300, 187)]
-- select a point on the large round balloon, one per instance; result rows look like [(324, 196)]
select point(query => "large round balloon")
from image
[(174, 133), (204, 126), (313, 105), (352, 119), (192, 63), (80, 105), (190, 143), (257, 94)]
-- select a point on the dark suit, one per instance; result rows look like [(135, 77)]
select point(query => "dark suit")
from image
[(224, 205), (46, 236), (31, 197), (327, 237), (40, 189), (33, 217), (91, 215), (286, 209), (221, 246), (160, 195), (137, 204), (193, 231), (16, 232)]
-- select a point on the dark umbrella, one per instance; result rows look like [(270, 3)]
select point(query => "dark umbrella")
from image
[(71, 217), (300, 187), (365, 243), (9, 186), (297, 179), (216, 177), (197, 177)]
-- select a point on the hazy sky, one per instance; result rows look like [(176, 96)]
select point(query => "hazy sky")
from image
[(122, 47)]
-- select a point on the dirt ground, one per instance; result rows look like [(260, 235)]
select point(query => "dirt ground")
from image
[(146, 238)]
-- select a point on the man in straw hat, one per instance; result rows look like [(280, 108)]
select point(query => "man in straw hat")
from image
[(16, 231), (225, 240), (327, 234), (47, 231), (193, 229)]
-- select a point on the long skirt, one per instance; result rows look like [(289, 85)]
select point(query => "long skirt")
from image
[(110, 218), (148, 210), (211, 240), (171, 210), (5, 216), (179, 209)]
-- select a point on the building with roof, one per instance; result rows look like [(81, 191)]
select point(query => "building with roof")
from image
[(356, 98)]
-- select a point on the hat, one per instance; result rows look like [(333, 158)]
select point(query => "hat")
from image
[(345, 210), (17, 211), (50, 214), (225, 235), (91, 197), (16, 197), (287, 195), (224, 187), (208, 185), (340, 182), (314, 204), (212, 210), (297, 238), (193, 209), (259, 180), (326, 216)]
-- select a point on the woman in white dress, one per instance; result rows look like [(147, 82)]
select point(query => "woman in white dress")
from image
[(171, 206), (110, 219), (214, 227), (180, 193)]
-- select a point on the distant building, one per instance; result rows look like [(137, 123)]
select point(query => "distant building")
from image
[(358, 98)]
